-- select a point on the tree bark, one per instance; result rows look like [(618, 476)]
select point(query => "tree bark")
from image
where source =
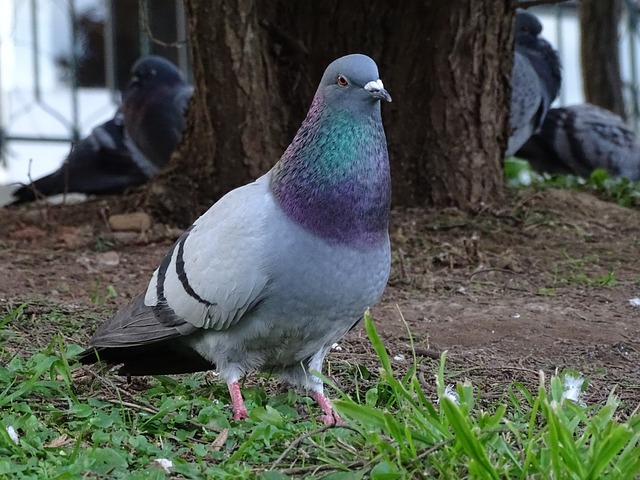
[(462, 96), (600, 54), (233, 128), (257, 64)]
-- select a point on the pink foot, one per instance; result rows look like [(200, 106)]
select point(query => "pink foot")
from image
[(239, 410), (330, 416)]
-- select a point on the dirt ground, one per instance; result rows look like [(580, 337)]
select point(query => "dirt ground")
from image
[(544, 283)]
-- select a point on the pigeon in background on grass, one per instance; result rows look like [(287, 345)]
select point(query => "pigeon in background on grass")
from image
[(117, 154), (581, 138), (276, 271), (535, 81)]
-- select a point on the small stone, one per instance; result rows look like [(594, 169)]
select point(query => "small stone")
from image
[(126, 238), (109, 259), (130, 222)]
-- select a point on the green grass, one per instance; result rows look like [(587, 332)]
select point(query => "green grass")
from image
[(75, 424), (625, 192), (576, 271)]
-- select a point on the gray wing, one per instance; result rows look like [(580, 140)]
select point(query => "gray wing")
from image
[(527, 105), (216, 272), (210, 279), (586, 137)]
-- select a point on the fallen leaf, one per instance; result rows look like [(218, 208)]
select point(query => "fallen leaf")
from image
[(58, 441), (219, 442)]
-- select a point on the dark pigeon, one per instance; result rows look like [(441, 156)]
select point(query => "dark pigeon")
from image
[(581, 138), (277, 270), (535, 80), (116, 156), (100, 164), (154, 105)]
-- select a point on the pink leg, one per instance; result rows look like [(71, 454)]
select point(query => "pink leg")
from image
[(330, 417), (239, 410)]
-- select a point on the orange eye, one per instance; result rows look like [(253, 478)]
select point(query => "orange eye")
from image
[(342, 81)]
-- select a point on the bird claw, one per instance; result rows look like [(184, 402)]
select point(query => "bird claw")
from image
[(240, 414), (332, 419), (330, 416)]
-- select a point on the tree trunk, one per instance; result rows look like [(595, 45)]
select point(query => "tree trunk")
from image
[(234, 129), (454, 155), (257, 64), (600, 54)]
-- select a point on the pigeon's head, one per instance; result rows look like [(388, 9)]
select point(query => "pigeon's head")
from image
[(353, 82), (152, 71), (528, 27)]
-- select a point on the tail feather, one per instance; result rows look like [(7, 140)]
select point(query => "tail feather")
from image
[(162, 358), (52, 184)]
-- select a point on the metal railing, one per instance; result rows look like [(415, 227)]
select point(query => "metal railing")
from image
[(49, 72)]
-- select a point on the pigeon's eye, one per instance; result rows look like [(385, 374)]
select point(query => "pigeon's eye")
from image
[(342, 81)]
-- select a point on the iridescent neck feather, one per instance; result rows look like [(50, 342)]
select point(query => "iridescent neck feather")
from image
[(334, 177)]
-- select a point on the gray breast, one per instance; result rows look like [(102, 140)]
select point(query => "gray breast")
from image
[(316, 293)]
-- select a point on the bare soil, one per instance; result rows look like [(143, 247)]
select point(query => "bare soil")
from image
[(543, 284)]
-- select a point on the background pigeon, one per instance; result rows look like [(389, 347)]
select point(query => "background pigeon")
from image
[(154, 106), (580, 138), (278, 270), (99, 164), (116, 155), (535, 80)]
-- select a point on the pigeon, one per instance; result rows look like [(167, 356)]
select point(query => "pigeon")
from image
[(154, 105), (578, 139), (535, 81), (100, 164), (277, 270), (116, 155)]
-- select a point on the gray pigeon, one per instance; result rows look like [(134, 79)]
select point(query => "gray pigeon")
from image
[(278, 270), (580, 138), (154, 106), (116, 155), (535, 81)]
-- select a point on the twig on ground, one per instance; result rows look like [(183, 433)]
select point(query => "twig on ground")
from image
[(486, 270), (321, 468), (303, 437), (116, 401)]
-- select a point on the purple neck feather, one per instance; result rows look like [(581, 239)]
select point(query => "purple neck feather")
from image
[(334, 177)]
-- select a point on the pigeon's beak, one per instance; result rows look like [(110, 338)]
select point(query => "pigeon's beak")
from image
[(376, 89)]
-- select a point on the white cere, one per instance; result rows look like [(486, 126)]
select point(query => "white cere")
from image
[(374, 85)]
